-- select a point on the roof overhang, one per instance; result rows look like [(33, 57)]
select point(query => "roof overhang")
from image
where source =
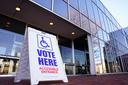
[(39, 17)]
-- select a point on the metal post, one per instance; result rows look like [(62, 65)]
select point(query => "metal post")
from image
[(73, 58)]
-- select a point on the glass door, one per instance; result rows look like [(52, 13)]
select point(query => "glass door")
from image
[(81, 55)]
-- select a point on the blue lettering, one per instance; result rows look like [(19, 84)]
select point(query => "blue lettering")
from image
[(55, 63), (39, 52), (40, 60), (45, 54), (53, 55), (50, 62), (49, 54), (47, 62)]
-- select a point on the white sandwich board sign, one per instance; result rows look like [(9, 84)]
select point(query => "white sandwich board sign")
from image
[(40, 59)]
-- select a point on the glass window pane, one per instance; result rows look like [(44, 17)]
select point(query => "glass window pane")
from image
[(90, 10), (97, 19), (100, 5), (93, 28), (108, 25), (94, 1), (101, 19), (100, 33), (98, 53), (108, 56), (82, 7), (66, 53), (61, 8), (8, 66), (81, 56), (96, 50), (74, 16), (102, 50), (11, 43), (66, 1), (45, 3), (105, 36), (85, 23), (111, 26), (105, 22), (74, 3)]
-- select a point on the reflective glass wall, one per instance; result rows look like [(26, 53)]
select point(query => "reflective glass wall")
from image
[(74, 53), (109, 41), (10, 51), (11, 43), (11, 39)]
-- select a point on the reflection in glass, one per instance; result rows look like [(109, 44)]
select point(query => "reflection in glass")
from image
[(11, 43), (61, 8), (81, 56), (105, 22), (10, 46), (82, 7), (90, 10), (84, 23), (69, 69), (105, 35), (66, 1), (101, 19), (80, 61), (100, 5), (94, 1), (124, 60), (108, 25), (102, 49), (45, 3), (97, 19), (74, 3), (96, 50), (66, 53), (93, 28), (100, 33), (8, 66), (74, 16)]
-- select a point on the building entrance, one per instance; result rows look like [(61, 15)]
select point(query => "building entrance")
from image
[(75, 55), (81, 55)]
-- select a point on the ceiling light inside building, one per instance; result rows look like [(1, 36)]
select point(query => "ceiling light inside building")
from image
[(18, 8), (8, 23), (51, 23), (73, 33)]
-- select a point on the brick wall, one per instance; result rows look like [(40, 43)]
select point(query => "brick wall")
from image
[(109, 79)]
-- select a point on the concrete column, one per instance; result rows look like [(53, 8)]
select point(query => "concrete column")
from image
[(91, 56)]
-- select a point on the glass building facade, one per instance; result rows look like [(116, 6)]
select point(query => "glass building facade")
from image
[(104, 48)]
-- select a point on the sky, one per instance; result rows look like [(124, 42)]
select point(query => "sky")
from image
[(119, 9)]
